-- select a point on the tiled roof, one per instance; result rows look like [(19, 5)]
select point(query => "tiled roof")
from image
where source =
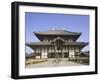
[(49, 43), (57, 32), (29, 55)]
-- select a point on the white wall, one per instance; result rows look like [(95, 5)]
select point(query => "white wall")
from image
[(5, 40)]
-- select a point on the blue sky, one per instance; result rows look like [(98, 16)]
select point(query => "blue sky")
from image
[(47, 21)]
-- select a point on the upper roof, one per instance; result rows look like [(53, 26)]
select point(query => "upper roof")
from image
[(57, 32)]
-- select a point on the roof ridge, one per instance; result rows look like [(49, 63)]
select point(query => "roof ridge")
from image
[(57, 31)]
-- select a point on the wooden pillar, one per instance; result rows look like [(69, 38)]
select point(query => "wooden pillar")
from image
[(42, 53), (54, 53), (62, 52), (46, 52), (71, 52)]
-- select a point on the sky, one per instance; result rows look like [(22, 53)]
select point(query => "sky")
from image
[(35, 22)]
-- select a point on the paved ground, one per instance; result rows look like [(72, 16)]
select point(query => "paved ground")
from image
[(54, 63)]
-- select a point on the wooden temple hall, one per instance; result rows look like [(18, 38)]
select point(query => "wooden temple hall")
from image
[(56, 44)]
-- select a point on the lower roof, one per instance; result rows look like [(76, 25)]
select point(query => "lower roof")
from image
[(49, 43)]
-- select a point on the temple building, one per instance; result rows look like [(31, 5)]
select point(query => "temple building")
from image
[(57, 44)]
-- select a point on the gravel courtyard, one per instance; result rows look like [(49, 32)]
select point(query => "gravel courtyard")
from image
[(53, 63)]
